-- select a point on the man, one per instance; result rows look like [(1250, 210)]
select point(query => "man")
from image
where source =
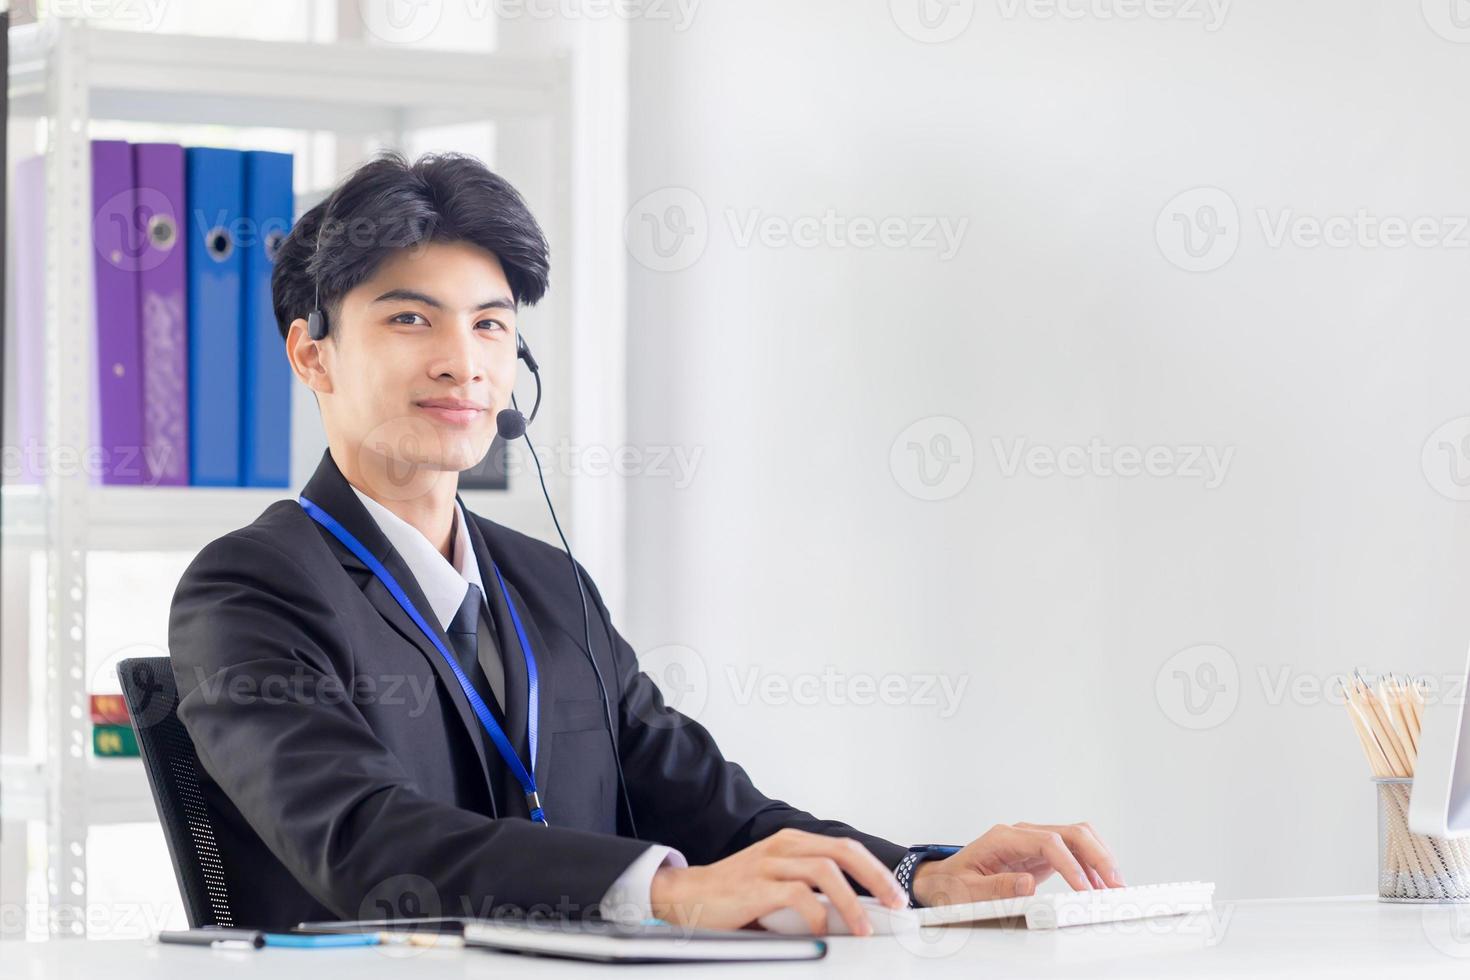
[(357, 667)]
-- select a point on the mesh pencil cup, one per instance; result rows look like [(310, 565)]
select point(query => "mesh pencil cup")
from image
[(1416, 867)]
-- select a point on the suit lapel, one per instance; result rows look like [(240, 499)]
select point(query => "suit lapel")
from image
[(329, 489), (517, 682)]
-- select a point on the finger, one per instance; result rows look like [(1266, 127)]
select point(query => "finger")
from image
[(1092, 852), (823, 873), (983, 888), (1049, 845), (795, 895), (851, 856)]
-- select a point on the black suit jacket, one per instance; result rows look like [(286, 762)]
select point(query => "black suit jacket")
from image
[(348, 776)]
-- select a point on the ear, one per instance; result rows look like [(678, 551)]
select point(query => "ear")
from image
[(310, 359)]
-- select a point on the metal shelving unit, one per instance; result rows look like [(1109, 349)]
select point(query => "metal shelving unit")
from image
[(68, 74)]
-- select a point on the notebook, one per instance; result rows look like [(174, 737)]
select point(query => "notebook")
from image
[(597, 940), (612, 942)]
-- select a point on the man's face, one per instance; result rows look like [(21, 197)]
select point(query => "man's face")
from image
[(432, 329)]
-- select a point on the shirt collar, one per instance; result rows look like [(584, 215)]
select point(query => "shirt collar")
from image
[(442, 583)]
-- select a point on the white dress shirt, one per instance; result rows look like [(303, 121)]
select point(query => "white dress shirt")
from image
[(443, 584)]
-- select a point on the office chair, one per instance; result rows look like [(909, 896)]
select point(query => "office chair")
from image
[(173, 776)]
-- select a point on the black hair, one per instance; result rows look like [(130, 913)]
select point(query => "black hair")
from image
[(389, 204)]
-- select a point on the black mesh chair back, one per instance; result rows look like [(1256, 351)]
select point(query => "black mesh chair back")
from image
[(173, 776)]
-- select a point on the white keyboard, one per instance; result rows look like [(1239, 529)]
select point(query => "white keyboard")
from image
[(1056, 910), (1053, 910)]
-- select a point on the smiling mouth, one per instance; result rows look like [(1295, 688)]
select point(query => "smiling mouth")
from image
[(453, 416)]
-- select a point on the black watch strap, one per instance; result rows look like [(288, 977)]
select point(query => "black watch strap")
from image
[(915, 857)]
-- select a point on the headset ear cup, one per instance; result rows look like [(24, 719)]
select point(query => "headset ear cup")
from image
[(316, 324)]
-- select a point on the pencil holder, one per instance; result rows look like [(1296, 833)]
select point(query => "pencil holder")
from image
[(1416, 867)]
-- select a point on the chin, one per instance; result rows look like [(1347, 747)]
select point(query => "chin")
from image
[(411, 444), (461, 455)]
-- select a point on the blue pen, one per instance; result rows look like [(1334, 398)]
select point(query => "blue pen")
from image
[(308, 941)]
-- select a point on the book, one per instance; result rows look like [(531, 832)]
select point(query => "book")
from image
[(116, 241), (109, 709), (265, 379), (161, 312), (656, 942), (215, 188), (114, 740)]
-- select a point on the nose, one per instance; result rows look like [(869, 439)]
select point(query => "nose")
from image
[(457, 356)]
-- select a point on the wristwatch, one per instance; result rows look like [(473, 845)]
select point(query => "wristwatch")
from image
[(917, 855)]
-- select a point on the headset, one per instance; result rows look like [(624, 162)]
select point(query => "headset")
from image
[(510, 424)]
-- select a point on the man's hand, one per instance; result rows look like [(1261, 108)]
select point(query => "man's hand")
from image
[(776, 872), (1011, 860)]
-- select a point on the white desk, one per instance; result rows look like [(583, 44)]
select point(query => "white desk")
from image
[(1356, 937)]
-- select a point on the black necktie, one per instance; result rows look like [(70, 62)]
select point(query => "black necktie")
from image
[(464, 640)]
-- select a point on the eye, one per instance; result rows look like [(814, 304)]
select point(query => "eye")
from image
[(493, 324), (408, 322)]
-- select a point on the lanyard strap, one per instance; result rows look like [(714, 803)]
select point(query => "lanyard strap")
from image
[(527, 779)]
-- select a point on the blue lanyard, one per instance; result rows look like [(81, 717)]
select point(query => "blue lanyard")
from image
[(507, 751)]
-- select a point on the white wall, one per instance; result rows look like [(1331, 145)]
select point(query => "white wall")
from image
[(1058, 600)]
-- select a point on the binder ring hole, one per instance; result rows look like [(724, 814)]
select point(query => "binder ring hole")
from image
[(220, 244), (162, 232)]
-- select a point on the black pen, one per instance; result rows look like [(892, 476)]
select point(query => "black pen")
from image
[(219, 937)]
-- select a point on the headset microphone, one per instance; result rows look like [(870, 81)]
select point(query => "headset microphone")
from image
[(511, 424)]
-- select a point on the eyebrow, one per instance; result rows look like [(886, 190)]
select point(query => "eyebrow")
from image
[(414, 296)]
